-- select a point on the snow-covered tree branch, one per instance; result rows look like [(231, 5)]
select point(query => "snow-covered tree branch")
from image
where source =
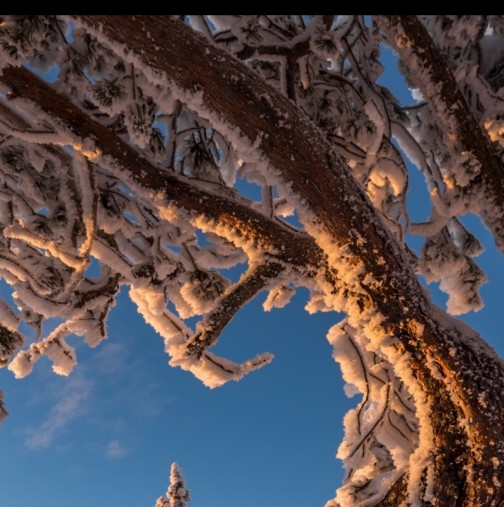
[(442, 83), (137, 150)]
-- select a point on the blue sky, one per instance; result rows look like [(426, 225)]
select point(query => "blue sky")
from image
[(106, 435), (111, 429)]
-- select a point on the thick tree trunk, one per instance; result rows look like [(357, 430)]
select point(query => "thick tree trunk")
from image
[(453, 370)]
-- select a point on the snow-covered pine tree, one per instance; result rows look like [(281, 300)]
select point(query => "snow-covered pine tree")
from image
[(177, 494), (133, 155)]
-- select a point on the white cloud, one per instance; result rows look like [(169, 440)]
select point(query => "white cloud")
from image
[(111, 359), (115, 449), (68, 408)]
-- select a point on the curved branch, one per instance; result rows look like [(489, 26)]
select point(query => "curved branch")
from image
[(378, 420), (377, 283), (351, 234)]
